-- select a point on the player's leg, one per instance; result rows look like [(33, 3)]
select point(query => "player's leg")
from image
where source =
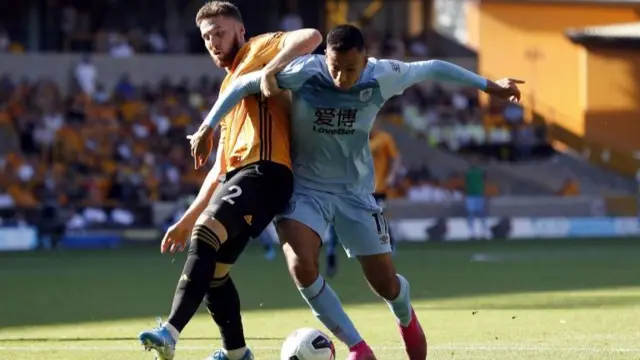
[(332, 256), (264, 191), (364, 233), (299, 230), (482, 215), (471, 214), (209, 234), (230, 214), (223, 303)]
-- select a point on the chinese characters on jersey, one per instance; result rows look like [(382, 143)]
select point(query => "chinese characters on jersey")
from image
[(335, 121)]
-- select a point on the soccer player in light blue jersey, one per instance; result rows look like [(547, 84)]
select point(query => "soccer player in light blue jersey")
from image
[(335, 100)]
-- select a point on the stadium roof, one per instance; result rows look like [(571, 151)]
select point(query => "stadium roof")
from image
[(616, 34)]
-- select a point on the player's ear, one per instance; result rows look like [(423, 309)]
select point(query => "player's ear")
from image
[(241, 30)]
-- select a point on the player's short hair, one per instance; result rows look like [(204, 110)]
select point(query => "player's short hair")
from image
[(344, 38), (218, 8)]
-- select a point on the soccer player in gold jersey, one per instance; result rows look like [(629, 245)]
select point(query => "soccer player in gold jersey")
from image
[(249, 184)]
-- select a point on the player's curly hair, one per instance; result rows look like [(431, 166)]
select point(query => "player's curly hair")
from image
[(218, 8)]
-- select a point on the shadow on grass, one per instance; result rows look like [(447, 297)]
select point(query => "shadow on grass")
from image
[(68, 287)]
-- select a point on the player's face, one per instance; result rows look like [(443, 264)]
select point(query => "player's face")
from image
[(345, 67), (223, 37)]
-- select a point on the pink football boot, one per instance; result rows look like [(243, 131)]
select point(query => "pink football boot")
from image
[(415, 342), (361, 351)]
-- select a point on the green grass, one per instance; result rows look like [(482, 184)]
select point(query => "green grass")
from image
[(525, 300)]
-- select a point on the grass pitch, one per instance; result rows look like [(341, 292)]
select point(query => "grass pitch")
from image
[(498, 301)]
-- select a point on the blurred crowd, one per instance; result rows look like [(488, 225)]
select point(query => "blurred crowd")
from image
[(126, 146), (112, 27), (94, 147), (91, 147)]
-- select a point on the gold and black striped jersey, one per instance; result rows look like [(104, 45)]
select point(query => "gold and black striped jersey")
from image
[(257, 128)]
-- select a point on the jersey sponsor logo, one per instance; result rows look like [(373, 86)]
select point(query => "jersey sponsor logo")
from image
[(365, 95), (333, 121)]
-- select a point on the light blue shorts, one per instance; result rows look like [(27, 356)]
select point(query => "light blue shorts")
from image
[(475, 205), (358, 220)]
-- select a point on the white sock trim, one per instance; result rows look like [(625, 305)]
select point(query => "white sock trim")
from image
[(235, 354), (175, 334)]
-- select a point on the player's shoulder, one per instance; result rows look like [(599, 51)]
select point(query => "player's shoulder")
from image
[(313, 61), (310, 64), (383, 68), (265, 40)]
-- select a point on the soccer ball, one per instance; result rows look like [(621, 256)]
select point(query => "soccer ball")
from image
[(308, 344)]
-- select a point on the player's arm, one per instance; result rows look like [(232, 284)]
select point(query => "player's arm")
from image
[(293, 44), (208, 187), (242, 87), (291, 78), (400, 76)]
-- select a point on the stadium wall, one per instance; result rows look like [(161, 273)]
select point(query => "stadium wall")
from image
[(612, 109), (527, 40)]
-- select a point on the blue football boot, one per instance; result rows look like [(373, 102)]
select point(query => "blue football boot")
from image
[(160, 341)]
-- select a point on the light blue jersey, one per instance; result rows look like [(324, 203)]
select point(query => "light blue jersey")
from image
[(332, 164), (330, 127)]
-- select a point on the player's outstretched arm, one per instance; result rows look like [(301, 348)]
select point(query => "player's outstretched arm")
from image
[(291, 78), (399, 76), (239, 89)]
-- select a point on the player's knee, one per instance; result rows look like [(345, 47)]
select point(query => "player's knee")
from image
[(221, 274), (218, 281), (208, 231), (303, 265), (381, 275)]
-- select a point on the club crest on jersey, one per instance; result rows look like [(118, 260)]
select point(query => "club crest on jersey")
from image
[(365, 95)]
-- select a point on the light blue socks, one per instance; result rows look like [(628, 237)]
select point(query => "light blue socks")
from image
[(327, 308), (401, 305)]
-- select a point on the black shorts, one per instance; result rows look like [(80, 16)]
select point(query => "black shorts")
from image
[(246, 201)]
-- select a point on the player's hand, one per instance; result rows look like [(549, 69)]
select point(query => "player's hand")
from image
[(201, 145), (269, 85), (175, 239), (506, 88)]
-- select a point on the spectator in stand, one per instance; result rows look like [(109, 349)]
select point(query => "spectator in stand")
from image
[(101, 155), (86, 74), (474, 186)]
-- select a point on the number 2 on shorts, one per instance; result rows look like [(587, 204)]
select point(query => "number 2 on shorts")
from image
[(234, 192)]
